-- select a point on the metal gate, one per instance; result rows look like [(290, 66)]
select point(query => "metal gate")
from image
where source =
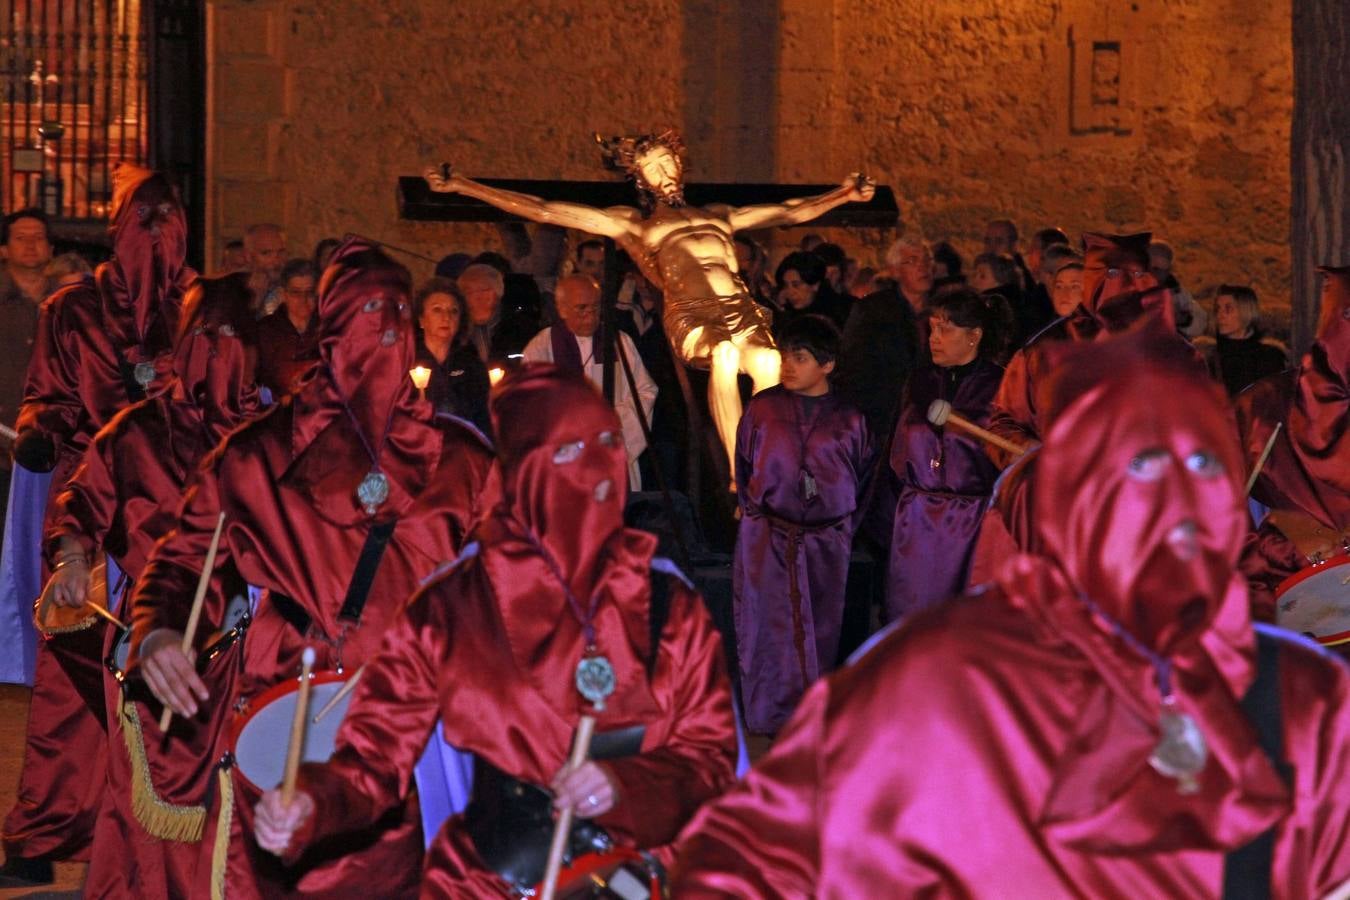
[(74, 87)]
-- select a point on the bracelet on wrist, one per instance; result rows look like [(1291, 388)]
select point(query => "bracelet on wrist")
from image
[(63, 561)]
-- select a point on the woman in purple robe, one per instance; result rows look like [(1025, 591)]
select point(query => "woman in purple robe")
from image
[(802, 460), (944, 475)]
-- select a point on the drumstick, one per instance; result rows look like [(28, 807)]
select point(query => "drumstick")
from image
[(940, 413), (1261, 460), (102, 611), (581, 748), (337, 698), (10, 433), (203, 581), (297, 745)]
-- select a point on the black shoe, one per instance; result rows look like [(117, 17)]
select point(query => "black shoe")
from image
[(21, 872)]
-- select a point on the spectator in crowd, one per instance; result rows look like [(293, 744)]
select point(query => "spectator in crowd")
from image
[(947, 264), (68, 268), (864, 282), (1040, 242), (803, 458), (265, 246), (945, 475), (459, 379), (233, 258), (1066, 290), (803, 290), (452, 265), (323, 252), (25, 248), (1192, 320), (520, 293), (573, 345), (499, 335), (1000, 236), (1049, 248), (288, 338), (997, 273), (881, 338), (1239, 353), (752, 263), (590, 258), (835, 262), (810, 241)]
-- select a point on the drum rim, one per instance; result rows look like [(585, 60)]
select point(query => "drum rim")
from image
[(266, 698), (1302, 575)]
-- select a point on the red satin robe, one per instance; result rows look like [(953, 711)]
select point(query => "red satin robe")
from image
[(74, 388), (454, 655), (122, 499), (279, 538), (941, 794)]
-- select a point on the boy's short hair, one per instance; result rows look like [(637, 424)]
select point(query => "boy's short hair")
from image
[(816, 335)]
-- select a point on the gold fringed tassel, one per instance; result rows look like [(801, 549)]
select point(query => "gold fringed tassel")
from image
[(220, 849), (164, 820)]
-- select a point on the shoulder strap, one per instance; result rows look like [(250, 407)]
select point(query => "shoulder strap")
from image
[(657, 614), (1247, 870), (358, 589)]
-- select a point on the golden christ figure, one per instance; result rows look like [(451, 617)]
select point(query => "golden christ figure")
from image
[(686, 251)]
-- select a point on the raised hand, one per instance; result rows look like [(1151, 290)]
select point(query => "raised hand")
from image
[(441, 179), (860, 188)]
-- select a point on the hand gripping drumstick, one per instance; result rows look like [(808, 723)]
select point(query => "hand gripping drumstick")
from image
[(297, 745), (581, 748), (195, 615), (940, 413), (1261, 460)]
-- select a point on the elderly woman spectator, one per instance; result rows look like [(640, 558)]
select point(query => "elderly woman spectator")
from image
[(1239, 353), (459, 379), (944, 475)]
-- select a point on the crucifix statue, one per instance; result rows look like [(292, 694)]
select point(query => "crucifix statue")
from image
[(687, 251)]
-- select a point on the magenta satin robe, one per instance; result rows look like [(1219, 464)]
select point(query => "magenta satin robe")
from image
[(941, 506), (942, 798), (786, 542)]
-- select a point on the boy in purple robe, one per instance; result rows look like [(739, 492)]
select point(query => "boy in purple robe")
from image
[(802, 461)]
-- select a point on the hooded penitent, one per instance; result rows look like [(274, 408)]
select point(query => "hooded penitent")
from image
[(1142, 523), (214, 355), (142, 286), (1319, 420), (557, 530), (364, 446)]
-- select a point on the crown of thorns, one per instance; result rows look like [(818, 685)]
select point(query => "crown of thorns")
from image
[(623, 152)]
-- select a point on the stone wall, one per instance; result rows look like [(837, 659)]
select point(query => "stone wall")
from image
[(1082, 113)]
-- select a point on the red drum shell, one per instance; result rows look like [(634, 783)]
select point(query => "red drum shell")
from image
[(1316, 601)]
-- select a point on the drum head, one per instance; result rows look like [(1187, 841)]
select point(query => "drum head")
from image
[(1316, 602), (261, 740)]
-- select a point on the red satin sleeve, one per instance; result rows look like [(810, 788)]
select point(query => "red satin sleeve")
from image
[(85, 510), (165, 590), (761, 840), (386, 728), (1012, 415), (661, 788), (52, 401), (1268, 558)]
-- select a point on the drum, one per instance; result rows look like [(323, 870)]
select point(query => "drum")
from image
[(1316, 602), (260, 738), (618, 873), (51, 620)]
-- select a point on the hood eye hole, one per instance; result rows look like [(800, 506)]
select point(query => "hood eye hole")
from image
[(227, 330), (568, 452), (373, 305)]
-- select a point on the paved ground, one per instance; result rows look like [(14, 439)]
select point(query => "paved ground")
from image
[(13, 719)]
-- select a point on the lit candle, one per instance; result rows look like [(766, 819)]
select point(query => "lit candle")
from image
[(421, 377), (495, 374)]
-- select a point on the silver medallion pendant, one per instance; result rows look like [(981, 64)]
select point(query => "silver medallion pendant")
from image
[(372, 491), (144, 373), (595, 680), (1181, 751)]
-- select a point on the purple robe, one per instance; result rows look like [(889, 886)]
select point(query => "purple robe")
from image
[(945, 479), (792, 553)]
